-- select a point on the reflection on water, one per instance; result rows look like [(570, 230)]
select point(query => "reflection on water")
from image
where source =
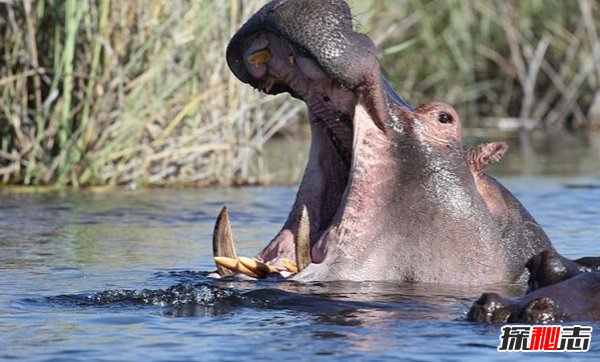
[(121, 275)]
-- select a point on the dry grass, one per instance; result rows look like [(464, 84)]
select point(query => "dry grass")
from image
[(120, 92), (535, 61)]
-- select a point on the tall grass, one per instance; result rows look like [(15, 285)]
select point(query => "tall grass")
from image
[(138, 92), (537, 62), (119, 92)]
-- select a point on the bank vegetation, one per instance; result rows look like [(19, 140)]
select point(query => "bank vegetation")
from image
[(112, 92)]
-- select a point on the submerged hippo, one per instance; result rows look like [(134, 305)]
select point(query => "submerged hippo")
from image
[(560, 290), (389, 192)]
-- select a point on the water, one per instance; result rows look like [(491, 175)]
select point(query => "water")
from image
[(121, 275)]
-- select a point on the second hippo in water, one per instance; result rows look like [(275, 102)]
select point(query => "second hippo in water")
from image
[(560, 290)]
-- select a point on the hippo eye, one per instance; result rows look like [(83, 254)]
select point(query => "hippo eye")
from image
[(445, 118)]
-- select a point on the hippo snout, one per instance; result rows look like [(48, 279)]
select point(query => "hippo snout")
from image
[(489, 308)]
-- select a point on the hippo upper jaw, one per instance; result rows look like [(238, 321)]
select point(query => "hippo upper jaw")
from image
[(273, 49), (325, 34)]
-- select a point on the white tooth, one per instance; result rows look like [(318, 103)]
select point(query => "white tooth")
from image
[(271, 80)]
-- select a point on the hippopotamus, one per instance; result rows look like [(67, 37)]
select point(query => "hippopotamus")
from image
[(560, 290), (389, 191)]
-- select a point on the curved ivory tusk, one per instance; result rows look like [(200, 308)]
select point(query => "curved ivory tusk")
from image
[(259, 268), (234, 266), (223, 241), (303, 258)]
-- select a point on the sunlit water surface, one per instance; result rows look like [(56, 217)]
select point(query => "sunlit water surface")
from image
[(121, 275)]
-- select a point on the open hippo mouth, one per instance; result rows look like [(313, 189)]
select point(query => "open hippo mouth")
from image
[(387, 193), (334, 70)]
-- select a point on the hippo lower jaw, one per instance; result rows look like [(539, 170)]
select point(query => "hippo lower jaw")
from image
[(321, 215), (341, 120)]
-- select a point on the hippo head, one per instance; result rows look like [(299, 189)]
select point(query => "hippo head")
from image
[(387, 193)]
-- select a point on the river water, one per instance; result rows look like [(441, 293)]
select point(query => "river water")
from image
[(121, 275)]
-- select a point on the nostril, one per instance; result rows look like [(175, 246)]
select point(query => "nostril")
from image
[(445, 118)]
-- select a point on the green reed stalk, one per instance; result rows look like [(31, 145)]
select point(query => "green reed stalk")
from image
[(94, 71), (121, 92)]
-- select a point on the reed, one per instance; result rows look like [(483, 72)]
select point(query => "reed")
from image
[(114, 92), (110, 92), (535, 61)]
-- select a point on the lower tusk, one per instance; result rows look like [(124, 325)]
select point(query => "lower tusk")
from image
[(234, 265), (257, 267), (303, 258), (223, 241), (289, 265)]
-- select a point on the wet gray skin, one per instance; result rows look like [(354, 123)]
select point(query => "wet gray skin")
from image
[(560, 290), (549, 268), (574, 299), (391, 193)]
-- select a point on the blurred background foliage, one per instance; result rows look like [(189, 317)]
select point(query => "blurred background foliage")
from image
[(137, 92)]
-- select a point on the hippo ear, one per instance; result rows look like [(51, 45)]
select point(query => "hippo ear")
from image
[(484, 154), (490, 308)]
